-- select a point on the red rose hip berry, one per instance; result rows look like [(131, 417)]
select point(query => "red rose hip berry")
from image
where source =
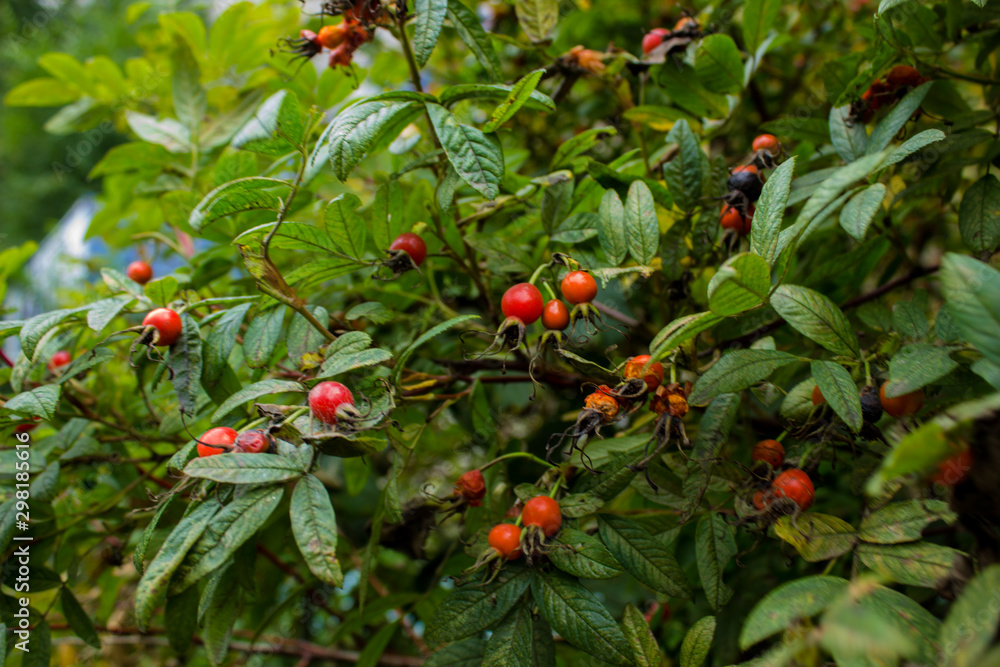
[(796, 486), (505, 538), (636, 367), (902, 406), (167, 324), (522, 301), (766, 142), (218, 440), (254, 441), (59, 359), (653, 39), (579, 287), (543, 512), (139, 271), (555, 316), (327, 398), (412, 245), (472, 487), (769, 451)]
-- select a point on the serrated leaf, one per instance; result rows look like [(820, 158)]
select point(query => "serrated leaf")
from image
[(477, 157), (915, 564), (912, 145), (741, 283), (916, 366), (78, 619), (641, 225), (39, 402), (166, 132), (152, 588), (344, 226), (779, 609), (512, 643), (102, 312), (277, 127), (646, 652), (427, 28), (972, 292), (817, 317), (683, 174), (858, 214), (483, 92), (518, 96), (849, 139), (893, 121), (584, 556), (611, 230), (180, 619), (220, 341), (314, 526), (342, 363), (220, 615), (256, 390), (839, 390), (644, 556), (903, 521), (697, 642), (262, 336), (737, 371), (681, 330), (979, 215), (467, 611), (716, 546), (233, 525), (254, 193), (357, 128), (770, 211), (245, 468), (817, 537), (34, 329), (470, 30), (185, 365), (718, 64), (580, 618), (466, 653), (537, 18)]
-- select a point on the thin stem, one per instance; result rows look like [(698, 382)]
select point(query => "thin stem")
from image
[(518, 455)]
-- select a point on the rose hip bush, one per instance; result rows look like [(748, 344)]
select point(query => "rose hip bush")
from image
[(525, 334)]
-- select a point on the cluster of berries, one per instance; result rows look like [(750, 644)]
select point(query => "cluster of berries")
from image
[(885, 92), (746, 183), (341, 40), (668, 41), (541, 518)]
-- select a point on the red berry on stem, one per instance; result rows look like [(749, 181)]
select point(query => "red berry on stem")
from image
[(636, 367), (522, 301), (653, 39), (254, 441), (326, 399), (769, 451), (555, 316), (902, 406), (506, 539), (472, 487), (218, 440), (167, 323), (796, 486), (139, 271), (766, 142), (412, 245), (543, 512), (579, 287), (60, 358)]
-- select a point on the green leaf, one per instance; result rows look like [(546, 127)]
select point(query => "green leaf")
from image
[(641, 225), (41, 92), (741, 283), (220, 616), (470, 30), (894, 121), (912, 145), (427, 28), (466, 653), (715, 547), (718, 64), (644, 556), (483, 92), (426, 336), (537, 18), (518, 96), (512, 643), (683, 174), (580, 618), (245, 468), (254, 391), (839, 390), (34, 329), (779, 609), (969, 630), (303, 339), (314, 526), (78, 619), (979, 215), (698, 642), (909, 319), (758, 18), (277, 128), (903, 521), (39, 402), (584, 556), (817, 317), (817, 537), (40, 653), (578, 145), (858, 213), (180, 619), (681, 330), (611, 231), (342, 363), (344, 226), (972, 292), (220, 341), (849, 140), (234, 524), (916, 366), (185, 365), (915, 564), (139, 556), (477, 157), (770, 211), (357, 128), (262, 336), (254, 193), (159, 291), (646, 651), (152, 588), (470, 610), (102, 312), (166, 132), (737, 371)]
